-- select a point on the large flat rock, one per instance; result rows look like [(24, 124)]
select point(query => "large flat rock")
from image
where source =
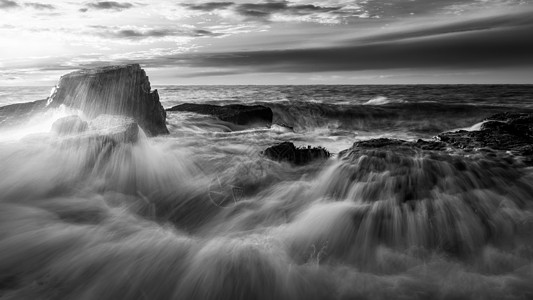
[(116, 90)]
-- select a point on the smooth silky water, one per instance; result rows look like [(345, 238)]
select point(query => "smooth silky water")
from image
[(201, 214)]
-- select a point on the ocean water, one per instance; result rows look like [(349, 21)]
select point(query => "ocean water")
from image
[(201, 214)]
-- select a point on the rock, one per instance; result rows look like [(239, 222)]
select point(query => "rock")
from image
[(119, 129), (505, 132), (402, 146), (286, 151), (69, 125), (235, 113), (116, 90), (15, 113), (501, 135)]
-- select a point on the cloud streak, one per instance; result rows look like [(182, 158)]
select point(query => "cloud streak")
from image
[(39, 6), (140, 33), (109, 5), (262, 11), (486, 43)]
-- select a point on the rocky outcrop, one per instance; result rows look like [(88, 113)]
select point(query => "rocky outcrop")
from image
[(501, 134), (511, 132), (235, 113), (69, 125), (117, 90), (15, 113), (286, 151)]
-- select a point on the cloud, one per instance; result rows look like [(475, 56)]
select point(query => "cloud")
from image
[(108, 5), (209, 6), (262, 11), (7, 4), (481, 44), (136, 33), (39, 6)]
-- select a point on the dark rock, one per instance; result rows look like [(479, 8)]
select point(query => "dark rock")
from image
[(15, 113), (505, 132), (395, 145), (116, 90), (286, 151), (235, 113), (501, 134), (69, 125)]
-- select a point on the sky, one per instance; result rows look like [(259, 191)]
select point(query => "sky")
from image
[(271, 41)]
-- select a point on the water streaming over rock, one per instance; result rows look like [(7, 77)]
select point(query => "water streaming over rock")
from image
[(201, 214)]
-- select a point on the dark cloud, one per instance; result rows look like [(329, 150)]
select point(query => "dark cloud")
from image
[(136, 34), (39, 6), (209, 6), (479, 24), (108, 5), (504, 43), (266, 9), (261, 11), (6, 4)]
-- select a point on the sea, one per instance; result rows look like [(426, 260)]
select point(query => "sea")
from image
[(201, 213)]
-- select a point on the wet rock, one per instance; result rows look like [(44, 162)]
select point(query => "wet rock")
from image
[(119, 129), (235, 113), (69, 125), (15, 113), (500, 135), (116, 90), (511, 132), (286, 151)]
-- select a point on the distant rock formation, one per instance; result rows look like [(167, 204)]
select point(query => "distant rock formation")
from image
[(235, 113), (286, 151), (117, 90)]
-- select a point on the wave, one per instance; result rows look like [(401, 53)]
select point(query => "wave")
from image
[(162, 220), (425, 119), (381, 100)]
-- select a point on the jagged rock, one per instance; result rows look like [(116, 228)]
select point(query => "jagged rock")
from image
[(505, 131), (500, 135), (117, 90), (69, 125), (235, 113), (15, 113), (286, 151)]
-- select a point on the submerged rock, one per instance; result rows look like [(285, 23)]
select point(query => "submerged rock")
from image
[(117, 90), (235, 113), (286, 151), (69, 125)]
